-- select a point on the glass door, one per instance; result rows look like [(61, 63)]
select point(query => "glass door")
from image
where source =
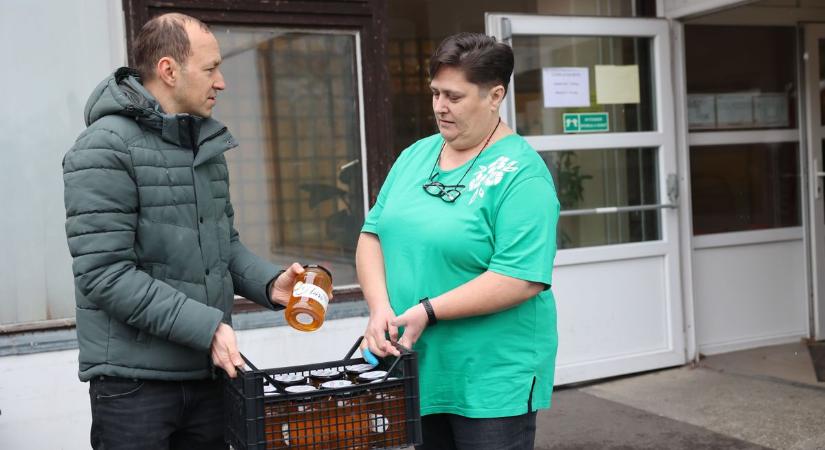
[(594, 97), (815, 130)]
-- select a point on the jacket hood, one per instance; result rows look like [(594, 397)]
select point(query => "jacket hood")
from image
[(122, 93)]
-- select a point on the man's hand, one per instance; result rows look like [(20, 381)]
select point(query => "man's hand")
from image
[(282, 287), (414, 321), (375, 334), (225, 352)]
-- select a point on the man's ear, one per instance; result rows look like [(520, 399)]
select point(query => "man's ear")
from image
[(496, 96), (167, 70)]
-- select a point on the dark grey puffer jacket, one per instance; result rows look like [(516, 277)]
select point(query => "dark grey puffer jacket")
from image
[(149, 224)]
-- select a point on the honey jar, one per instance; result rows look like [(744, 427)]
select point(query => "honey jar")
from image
[(307, 306)]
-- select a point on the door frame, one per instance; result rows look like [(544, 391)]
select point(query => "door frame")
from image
[(664, 138), (813, 33)]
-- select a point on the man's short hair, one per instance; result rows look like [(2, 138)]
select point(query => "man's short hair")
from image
[(162, 36), (483, 61)]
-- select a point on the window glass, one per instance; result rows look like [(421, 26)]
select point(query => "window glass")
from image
[(558, 77), (417, 26), (296, 183), (740, 77), (744, 187), (590, 179)]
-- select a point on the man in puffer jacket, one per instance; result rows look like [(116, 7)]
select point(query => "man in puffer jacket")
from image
[(157, 260)]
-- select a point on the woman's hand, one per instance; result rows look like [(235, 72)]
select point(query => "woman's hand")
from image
[(414, 321), (375, 335)]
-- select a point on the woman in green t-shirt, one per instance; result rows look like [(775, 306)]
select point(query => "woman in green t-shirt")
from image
[(458, 250)]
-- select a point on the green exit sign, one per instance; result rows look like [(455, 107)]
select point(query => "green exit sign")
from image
[(585, 122)]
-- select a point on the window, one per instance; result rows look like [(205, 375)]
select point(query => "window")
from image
[(535, 54), (744, 187), (744, 153), (417, 26), (590, 179), (296, 178)]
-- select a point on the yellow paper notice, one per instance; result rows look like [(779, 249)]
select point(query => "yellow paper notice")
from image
[(617, 84)]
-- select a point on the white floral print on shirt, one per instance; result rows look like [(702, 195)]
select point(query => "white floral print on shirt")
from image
[(490, 176)]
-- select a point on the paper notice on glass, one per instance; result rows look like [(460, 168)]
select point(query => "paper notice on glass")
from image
[(617, 84), (701, 111), (734, 110), (770, 110), (565, 87)]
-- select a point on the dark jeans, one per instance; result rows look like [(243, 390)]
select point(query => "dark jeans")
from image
[(452, 432), (146, 414)]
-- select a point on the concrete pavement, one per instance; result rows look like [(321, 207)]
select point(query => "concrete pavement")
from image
[(763, 398)]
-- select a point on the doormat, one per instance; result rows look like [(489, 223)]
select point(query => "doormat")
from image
[(818, 357)]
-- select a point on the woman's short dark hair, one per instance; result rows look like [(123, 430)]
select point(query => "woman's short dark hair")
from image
[(484, 61), (163, 36)]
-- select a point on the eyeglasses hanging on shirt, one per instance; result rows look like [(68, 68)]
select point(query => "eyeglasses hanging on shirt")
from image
[(450, 192)]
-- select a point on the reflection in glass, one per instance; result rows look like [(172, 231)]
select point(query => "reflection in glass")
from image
[(296, 184), (534, 53), (740, 77), (587, 179), (744, 187)]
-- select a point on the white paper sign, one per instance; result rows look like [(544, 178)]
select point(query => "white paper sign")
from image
[(701, 111), (565, 87), (771, 110), (734, 110)]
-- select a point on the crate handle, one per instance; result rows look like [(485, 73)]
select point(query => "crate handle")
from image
[(252, 366), (354, 347), (404, 350)]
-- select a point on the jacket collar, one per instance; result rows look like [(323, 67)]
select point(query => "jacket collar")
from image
[(206, 136)]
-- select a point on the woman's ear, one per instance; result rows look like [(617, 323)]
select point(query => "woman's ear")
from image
[(496, 96)]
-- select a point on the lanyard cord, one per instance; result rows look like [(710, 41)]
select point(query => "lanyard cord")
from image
[(433, 173)]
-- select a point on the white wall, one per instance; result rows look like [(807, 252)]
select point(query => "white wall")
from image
[(54, 53), (44, 406)]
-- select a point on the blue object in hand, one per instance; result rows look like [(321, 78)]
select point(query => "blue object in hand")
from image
[(369, 357)]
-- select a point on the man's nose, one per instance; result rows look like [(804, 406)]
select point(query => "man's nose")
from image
[(220, 83)]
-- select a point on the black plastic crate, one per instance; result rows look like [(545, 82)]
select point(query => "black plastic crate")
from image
[(261, 414)]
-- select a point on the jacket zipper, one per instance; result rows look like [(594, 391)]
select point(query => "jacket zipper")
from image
[(212, 136)]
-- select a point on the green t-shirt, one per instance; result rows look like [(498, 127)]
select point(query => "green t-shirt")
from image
[(504, 221)]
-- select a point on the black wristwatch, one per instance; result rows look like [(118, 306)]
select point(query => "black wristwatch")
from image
[(431, 319)]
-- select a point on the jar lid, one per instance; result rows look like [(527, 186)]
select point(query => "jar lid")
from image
[(359, 368), (336, 384), (325, 373), (271, 390), (371, 376), (316, 266), (290, 378), (300, 389)]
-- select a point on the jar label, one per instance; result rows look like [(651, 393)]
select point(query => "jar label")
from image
[(312, 291)]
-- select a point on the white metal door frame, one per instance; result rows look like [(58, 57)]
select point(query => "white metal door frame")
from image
[(504, 26), (814, 134)]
